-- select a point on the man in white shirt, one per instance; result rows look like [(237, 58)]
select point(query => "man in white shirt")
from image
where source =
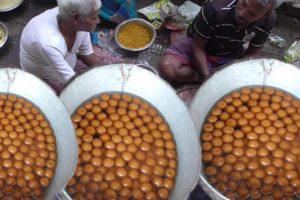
[(52, 41)]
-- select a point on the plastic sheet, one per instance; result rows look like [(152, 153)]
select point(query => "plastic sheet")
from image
[(293, 53)]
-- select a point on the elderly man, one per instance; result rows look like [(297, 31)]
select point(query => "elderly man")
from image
[(222, 31), (52, 41)]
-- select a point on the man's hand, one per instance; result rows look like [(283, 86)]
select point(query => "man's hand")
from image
[(92, 60)]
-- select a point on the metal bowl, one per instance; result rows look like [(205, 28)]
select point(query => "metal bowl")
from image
[(143, 22), (8, 5), (143, 83), (20, 83), (264, 72), (3, 34)]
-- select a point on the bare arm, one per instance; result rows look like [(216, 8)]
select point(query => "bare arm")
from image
[(92, 60), (200, 60)]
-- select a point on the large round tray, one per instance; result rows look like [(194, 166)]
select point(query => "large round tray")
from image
[(8, 5), (265, 72), (140, 82), (15, 81)]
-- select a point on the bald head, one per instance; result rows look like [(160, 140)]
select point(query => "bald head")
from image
[(250, 11)]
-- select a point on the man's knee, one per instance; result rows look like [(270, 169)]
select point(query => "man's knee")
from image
[(167, 67)]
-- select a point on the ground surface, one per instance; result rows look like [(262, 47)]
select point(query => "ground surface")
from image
[(286, 27)]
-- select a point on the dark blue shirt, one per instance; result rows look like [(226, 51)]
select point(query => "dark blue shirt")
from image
[(216, 23)]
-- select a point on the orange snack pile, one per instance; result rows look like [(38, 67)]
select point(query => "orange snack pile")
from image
[(27, 149), (126, 150), (251, 144)]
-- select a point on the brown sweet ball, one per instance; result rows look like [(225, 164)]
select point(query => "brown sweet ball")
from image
[(206, 136), (242, 192), (238, 151), (219, 125), (226, 147), (223, 116), (206, 146), (157, 181), (216, 111), (295, 182), (216, 151)]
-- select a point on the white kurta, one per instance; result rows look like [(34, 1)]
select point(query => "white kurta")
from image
[(43, 50)]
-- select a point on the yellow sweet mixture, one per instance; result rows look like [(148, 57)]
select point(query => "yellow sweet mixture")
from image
[(251, 144), (134, 35), (27, 149), (126, 150)]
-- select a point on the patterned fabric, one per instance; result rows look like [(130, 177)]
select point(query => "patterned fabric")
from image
[(182, 50)]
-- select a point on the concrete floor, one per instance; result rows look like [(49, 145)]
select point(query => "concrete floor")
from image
[(289, 29)]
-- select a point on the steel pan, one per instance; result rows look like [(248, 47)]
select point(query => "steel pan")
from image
[(143, 83), (4, 31), (15, 81), (264, 72), (8, 5), (143, 22)]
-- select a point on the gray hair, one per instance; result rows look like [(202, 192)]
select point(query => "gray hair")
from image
[(274, 3), (83, 7)]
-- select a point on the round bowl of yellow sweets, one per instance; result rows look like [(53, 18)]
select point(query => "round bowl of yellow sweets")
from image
[(135, 34), (3, 34)]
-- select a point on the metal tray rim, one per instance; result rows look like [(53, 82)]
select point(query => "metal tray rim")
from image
[(6, 34), (12, 7)]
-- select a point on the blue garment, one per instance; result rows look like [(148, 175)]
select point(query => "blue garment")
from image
[(118, 10)]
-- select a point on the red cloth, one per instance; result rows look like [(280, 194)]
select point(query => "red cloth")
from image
[(183, 51)]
